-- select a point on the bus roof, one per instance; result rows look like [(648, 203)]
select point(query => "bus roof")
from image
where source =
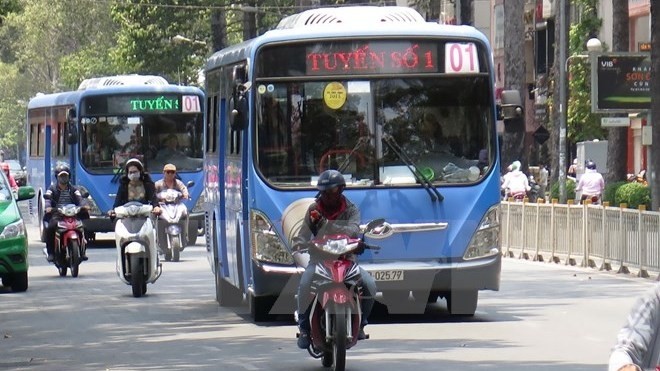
[(73, 97), (343, 23)]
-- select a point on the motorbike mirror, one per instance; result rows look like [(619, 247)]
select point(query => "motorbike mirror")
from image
[(190, 183), (378, 229)]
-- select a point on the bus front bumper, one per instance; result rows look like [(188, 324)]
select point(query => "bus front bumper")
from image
[(478, 274)]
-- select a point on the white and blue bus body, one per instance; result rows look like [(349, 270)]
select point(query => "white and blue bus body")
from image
[(108, 120), (351, 89)]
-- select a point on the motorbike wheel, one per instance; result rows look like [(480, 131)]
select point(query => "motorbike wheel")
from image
[(176, 247), (61, 264), (327, 359), (339, 342), (74, 257), (137, 276)]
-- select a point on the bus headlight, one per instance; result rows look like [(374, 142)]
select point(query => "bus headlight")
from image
[(199, 205), (93, 207), (266, 245), (486, 241)]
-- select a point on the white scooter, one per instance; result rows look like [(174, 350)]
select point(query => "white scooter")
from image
[(172, 224), (137, 255)]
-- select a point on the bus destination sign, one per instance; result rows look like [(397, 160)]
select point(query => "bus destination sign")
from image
[(374, 57), (141, 104)]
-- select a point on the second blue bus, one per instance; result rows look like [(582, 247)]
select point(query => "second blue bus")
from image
[(108, 120)]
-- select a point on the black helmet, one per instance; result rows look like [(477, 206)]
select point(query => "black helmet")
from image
[(62, 168), (330, 179), (134, 162), (590, 165)]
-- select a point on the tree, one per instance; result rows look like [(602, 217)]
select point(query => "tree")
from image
[(617, 138), (514, 59), (581, 123), (144, 41), (655, 106)]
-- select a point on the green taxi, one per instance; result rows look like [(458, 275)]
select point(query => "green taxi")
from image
[(13, 237)]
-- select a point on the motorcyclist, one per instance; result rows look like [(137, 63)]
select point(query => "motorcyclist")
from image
[(10, 178), (515, 181), (136, 185), (59, 194), (170, 181), (332, 213), (591, 182)]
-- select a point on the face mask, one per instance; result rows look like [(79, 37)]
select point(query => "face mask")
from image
[(134, 176), (330, 199), (63, 180)]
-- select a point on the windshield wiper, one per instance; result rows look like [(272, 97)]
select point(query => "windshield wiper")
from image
[(347, 160), (428, 186)]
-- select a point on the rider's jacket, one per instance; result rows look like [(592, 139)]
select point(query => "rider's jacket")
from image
[(516, 182), (591, 183), (346, 220), (638, 342)]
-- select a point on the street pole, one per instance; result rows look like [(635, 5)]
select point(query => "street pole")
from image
[(563, 45)]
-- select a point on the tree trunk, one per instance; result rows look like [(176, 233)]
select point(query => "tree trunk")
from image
[(218, 29), (617, 138), (654, 161), (514, 60), (466, 12), (249, 21), (554, 83)]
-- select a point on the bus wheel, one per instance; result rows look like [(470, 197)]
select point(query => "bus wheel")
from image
[(226, 294), (42, 229), (260, 307), (462, 302)]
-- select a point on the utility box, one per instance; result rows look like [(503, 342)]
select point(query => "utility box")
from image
[(595, 151)]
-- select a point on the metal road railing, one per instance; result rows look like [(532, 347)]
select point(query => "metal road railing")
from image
[(587, 235)]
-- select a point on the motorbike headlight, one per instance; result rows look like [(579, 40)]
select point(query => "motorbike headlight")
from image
[(266, 245), (486, 240), (14, 229), (69, 210), (336, 247)]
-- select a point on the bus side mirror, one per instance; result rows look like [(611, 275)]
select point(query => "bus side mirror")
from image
[(510, 110), (72, 138)]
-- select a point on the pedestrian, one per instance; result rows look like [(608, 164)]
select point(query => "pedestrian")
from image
[(572, 170), (638, 342)]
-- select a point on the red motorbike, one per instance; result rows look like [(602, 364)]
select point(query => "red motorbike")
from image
[(70, 244), (335, 314)]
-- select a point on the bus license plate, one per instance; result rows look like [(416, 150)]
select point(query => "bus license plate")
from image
[(389, 275)]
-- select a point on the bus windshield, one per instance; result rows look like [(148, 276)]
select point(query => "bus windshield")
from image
[(156, 139), (442, 126)]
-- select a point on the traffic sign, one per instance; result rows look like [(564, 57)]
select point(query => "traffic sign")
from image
[(541, 135)]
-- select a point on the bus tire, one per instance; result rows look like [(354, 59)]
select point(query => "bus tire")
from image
[(260, 307), (226, 294), (40, 216), (462, 302)]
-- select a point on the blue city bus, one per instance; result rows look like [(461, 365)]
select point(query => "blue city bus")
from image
[(108, 120), (404, 108)]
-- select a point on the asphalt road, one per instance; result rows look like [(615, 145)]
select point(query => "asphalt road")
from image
[(546, 317)]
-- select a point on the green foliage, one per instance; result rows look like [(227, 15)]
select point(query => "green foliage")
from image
[(570, 190), (145, 44), (581, 123), (633, 194), (610, 192)]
